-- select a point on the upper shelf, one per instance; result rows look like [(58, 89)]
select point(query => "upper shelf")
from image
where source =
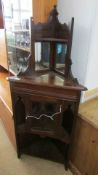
[(52, 40)]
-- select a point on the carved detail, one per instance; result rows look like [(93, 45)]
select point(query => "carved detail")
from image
[(52, 31), (58, 30), (45, 115)]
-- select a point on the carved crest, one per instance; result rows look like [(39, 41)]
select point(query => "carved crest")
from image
[(51, 29)]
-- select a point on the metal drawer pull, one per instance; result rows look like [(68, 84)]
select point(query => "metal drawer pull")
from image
[(48, 116)]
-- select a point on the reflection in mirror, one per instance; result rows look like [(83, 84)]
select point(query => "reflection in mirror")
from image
[(61, 51), (42, 53)]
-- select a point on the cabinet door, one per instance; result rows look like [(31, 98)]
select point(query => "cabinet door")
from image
[(39, 112), (43, 113)]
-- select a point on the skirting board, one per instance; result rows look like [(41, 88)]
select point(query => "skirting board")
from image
[(90, 94), (73, 169)]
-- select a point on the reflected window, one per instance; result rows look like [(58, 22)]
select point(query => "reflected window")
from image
[(42, 53), (61, 51)]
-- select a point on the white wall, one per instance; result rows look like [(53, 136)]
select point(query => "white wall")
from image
[(92, 71), (84, 13)]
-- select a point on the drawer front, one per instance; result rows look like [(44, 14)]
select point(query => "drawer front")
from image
[(69, 94)]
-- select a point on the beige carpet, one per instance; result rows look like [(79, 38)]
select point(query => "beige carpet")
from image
[(27, 165)]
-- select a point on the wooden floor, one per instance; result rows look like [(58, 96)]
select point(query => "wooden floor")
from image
[(5, 94)]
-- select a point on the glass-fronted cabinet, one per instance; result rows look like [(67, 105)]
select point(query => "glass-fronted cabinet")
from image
[(17, 15)]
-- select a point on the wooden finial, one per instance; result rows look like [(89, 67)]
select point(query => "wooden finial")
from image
[(54, 12)]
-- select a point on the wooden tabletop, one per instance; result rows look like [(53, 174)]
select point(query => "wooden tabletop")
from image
[(49, 79)]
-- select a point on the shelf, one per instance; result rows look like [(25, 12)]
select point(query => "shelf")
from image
[(46, 148), (52, 40), (59, 134), (27, 49)]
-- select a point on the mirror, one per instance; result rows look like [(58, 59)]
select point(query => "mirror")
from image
[(61, 51), (42, 54)]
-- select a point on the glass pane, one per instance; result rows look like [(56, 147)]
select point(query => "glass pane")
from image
[(26, 4), (42, 51), (15, 4), (61, 51), (17, 20)]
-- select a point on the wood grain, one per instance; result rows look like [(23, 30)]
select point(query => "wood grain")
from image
[(84, 152), (89, 112), (5, 94), (7, 120), (3, 50), (6, 114), (41, 9)]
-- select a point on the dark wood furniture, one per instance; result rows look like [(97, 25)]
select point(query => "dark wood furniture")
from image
[(45, 95)]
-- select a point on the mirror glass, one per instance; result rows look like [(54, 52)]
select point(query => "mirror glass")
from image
[(42, 53), (61, 51)]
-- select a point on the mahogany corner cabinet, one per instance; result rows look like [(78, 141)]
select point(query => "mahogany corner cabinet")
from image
[(45, 95)]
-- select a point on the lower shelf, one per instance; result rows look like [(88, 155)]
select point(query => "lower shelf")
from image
[(44, 148), (59, 133)]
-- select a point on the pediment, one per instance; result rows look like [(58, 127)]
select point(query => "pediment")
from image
[(51, 29)]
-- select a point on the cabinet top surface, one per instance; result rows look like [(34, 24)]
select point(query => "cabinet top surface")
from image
[(49, 79)]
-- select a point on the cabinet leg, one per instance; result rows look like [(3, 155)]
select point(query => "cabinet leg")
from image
[(18, 146), (18, 155), (66, 158)]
